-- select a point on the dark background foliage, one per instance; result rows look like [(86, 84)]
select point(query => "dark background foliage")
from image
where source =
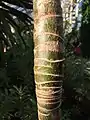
[(85, 29), (17, 96)]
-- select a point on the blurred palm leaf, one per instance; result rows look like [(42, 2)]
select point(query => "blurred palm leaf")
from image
[(11, 18)]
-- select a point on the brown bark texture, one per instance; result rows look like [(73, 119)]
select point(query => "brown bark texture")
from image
[(48, 57)]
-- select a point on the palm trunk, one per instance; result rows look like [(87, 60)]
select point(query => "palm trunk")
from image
[(48, 57)]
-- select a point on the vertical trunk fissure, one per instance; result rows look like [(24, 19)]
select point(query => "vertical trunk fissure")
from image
[(48, 57)]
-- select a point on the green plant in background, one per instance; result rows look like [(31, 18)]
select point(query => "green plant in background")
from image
[(86, 12), (17, 97), (66, 114), (17, 103), (17, 100), (11, 18)]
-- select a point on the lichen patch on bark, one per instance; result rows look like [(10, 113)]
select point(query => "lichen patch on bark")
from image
[(53, 46)]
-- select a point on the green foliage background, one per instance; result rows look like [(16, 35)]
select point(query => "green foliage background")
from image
[(17, 95)]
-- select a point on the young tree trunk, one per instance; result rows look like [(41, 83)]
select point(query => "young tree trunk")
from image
[(48, 57)]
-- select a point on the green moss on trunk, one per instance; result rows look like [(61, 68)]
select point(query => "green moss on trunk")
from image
[(48, 57)]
